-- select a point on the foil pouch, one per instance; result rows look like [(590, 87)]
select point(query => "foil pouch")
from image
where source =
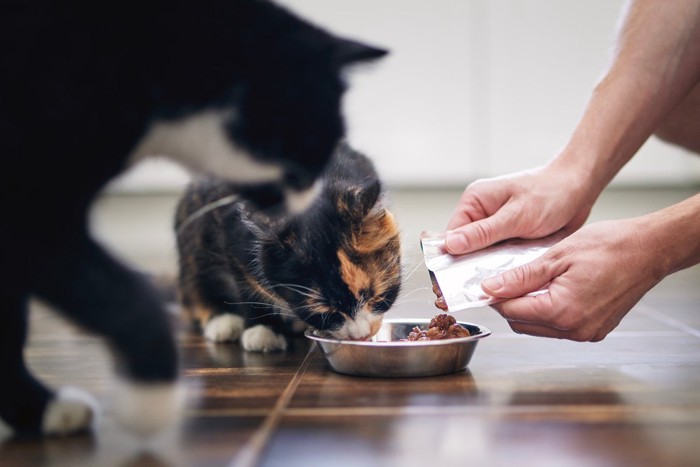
[(458, 278)]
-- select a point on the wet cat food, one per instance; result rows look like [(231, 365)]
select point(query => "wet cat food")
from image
[(442, 326), (440, 300)]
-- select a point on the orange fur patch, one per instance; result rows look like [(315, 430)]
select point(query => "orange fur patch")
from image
[(354, 276), (266, 294), (377, 245), (315, 307), (378, 229), (199, 314)]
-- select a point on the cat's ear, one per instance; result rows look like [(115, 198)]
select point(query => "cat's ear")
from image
[(357, 200), (347, 51)]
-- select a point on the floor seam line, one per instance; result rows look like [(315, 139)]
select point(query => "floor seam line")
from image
[(674, 323), (249, 455)]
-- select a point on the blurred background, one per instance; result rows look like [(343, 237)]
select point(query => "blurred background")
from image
[(472, 88)]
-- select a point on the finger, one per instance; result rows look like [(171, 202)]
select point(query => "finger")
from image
[(515, 320), (481, 233), (607, 327), (522, 280), (528, 311), (546, 331), (462, 217), (537, 316), (536, 330), (469, 209)]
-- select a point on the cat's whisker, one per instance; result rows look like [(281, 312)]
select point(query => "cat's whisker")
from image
[(297, 286), (309, 296), (263, 304), (276, 314), (301, 290), (413, 300), (412, 272), (408, 294), (403, 302)]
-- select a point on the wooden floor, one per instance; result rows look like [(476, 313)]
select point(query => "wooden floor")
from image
[(630, 400)]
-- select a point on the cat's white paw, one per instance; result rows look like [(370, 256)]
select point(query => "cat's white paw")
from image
[(71, 411), (224, 328), (261, 338), (147, 408)]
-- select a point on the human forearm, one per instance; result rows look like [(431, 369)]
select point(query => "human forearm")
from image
[(673, 234), (656, 63)]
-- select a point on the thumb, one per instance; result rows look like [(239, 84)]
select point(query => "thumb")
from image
[(480, 234), (519, 281)]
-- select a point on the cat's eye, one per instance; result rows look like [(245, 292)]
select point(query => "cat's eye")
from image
[(381, 305)]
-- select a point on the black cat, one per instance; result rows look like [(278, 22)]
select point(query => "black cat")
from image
[(240, 88), (335, 267)]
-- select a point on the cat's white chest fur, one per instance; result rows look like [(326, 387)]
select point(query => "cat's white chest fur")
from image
[(199, 142)]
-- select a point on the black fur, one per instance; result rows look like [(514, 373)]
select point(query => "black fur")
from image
[(81, 83)]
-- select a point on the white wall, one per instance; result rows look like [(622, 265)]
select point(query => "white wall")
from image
[(472, 88)]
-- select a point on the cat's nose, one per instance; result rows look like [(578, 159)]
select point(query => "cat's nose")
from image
[(359, 329)]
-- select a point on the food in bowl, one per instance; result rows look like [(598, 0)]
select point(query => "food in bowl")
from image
[(386, 356), (442, 326)]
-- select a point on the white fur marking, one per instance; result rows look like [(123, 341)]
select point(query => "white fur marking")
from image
[(145, 409), (200, 143), (299, 201), (71, 411), (224, 328), (261, 338), (358, 328)]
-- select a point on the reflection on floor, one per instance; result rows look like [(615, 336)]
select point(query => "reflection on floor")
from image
[(632, 399)]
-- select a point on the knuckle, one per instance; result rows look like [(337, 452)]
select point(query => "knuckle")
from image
[(476, 184), (521, 274), (583, 335), (568, 320), (599, 337), (515, 327), (484, 232)]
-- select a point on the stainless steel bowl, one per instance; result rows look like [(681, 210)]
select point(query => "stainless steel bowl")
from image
[(385, 356)]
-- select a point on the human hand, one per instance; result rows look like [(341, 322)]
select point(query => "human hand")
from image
[(530, 204), (595, 277)]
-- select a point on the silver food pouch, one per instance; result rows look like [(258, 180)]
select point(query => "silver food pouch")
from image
[(457, 279)]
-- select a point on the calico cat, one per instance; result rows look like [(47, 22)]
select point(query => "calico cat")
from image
[(240, 88), (335, 267)]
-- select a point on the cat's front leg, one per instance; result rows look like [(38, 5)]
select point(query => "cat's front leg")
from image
[(103, 296), (225, 327), (26, 405), (228, 327), (262, 338), (71, 410)]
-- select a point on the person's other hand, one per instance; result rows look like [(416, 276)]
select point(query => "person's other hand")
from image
[(595, 277), (530, 204)]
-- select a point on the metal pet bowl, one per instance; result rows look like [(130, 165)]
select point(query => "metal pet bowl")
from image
[(386, 356)]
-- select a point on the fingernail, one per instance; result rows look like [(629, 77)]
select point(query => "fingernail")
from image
[(455, 242), (493, 284)]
